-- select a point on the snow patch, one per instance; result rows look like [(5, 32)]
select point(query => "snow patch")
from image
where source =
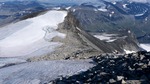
[(110, 15), (102, 9), (145, 47), (112, 12), (124, 5), (73, 10), (129, 51), (114, 2), (68, 8), (129, 31), (138, 15), (106, 37)]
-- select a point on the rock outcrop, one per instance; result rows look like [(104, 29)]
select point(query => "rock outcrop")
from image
[(113, 69)]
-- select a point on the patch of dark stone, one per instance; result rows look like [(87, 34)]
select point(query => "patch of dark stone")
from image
[(114, 69)]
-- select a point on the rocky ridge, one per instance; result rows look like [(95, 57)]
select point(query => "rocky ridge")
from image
[(81, 44), (114, 69)]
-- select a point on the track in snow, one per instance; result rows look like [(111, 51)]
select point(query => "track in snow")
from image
[(29, 36)]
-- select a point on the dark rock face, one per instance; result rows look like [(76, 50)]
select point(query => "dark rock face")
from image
[(114, 69), (144, 39)]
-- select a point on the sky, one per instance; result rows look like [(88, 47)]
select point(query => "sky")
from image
[(56, 1), (140, 0), (51, 0), (74, 1)]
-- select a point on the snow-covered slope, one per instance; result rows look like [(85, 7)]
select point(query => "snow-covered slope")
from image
[(145, 47), (41, 72), (31, 35)]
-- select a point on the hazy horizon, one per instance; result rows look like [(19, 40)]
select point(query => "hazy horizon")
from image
[(74, 1)]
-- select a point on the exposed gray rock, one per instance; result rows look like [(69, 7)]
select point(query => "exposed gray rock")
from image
[(119, 78), (123, 82), (112, 81), (114, 70)]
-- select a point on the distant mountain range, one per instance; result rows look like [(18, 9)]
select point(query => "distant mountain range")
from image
[(115, 17), (97, 17)]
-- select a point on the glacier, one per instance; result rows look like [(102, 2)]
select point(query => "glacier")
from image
[(30, 35)]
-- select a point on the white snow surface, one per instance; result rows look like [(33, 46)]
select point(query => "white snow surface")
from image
[(42, 72), (124, 5), (102, 9), (141, 13), (106, 37), (145, 47), (114, 2), (129, 51), (31, 35), (7, 61), (67, 8)]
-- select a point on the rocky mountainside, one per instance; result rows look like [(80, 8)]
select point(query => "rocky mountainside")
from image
[(128, 43), (115, 17)]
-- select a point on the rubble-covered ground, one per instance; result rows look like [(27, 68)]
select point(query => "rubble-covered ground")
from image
[(116, 69)]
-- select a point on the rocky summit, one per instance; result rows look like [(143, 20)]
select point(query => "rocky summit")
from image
[(113, 69)]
